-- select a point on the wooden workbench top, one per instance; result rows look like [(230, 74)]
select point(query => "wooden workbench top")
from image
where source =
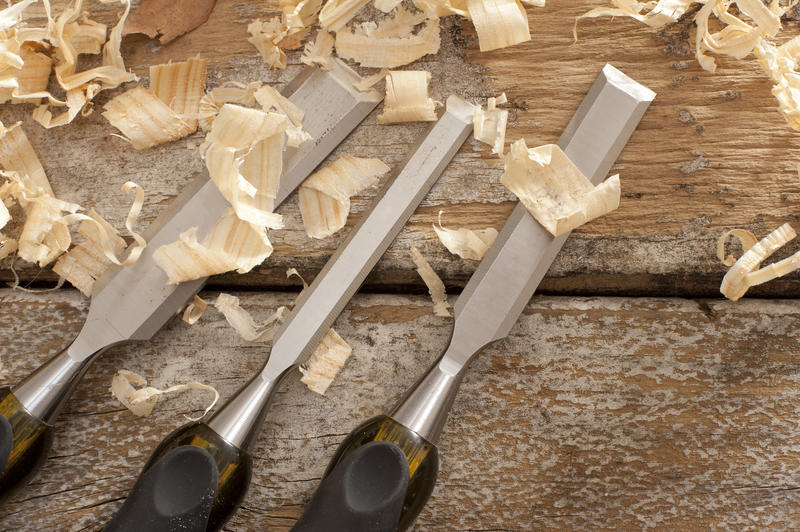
[(645, 408)]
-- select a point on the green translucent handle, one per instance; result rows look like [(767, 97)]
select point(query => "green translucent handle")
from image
[(234, 466), (423, 460), (31, 442)]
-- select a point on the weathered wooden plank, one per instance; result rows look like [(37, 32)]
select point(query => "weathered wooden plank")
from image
[(711, 153), (595, 413)]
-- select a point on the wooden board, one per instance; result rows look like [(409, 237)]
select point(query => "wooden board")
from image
[(711, 153), (595, 413)]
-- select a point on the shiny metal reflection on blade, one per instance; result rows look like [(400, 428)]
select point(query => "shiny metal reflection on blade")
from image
[(135, 302), (344, 272)]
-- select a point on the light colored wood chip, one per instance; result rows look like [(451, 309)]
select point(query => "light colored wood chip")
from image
[(325, 362), (144, 119), (407, 98), (433, 282), (325, 195), (553, 190)]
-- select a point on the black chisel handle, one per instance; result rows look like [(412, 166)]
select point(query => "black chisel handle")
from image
[(166, 473), (176, 493), (421, 455), (25, 442), (363, 493)]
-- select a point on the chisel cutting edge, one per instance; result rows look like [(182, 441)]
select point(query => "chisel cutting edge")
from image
[(134, 302), (492, 300), (169, 493)]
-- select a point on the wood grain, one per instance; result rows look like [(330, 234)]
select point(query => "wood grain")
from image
[(595, 413), (711, 153)]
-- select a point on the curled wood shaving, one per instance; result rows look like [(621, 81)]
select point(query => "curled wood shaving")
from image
[(273, 36), (85, 263), (244, 156), (433, 282), (181, 87), (230, 92), (142, 401), (337, 13), (325, 195), (266, 37), (29, 81), (233, 244), (499, 23), (780, 64), (81, 87), (243, 322), (490, 124), (466, 243), (144, 119), (45, 233), (746, 239), (272, 100), (390, 44), (318, 51), (407, 98), (300, 13), (743, 274), (553, 190), (659, 14), (194, 310), (325, 362)]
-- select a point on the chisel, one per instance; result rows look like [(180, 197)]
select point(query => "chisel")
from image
[(485, 311), (199, 474), (134, 302)]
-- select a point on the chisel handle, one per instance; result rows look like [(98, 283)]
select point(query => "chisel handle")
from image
[(193, 481), (24, 444), (422, 457)]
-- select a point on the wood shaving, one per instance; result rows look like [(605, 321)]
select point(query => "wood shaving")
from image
[(233, 244), (45, 234), (244, 156), (407, 98), (389, 46), (272, 100), (194, 310), (466, 243), (433, 282), (85, 263), (68, 38), (181, 86), (746, 239), (273, 36), (266, 37), (142, 401), (230, 92), (743, 274), (337, 13), (168, 19), (144, 119), (324, 196), (243, 322), (325, 362), (319, 51), (553, 190), (499, 23), (490, 124)]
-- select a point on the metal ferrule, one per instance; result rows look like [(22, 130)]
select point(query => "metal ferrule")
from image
[(240, 418), (425, 408), (44, 392)]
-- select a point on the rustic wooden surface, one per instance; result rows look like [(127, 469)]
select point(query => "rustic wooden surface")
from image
[(711, 153), (596, 413)]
